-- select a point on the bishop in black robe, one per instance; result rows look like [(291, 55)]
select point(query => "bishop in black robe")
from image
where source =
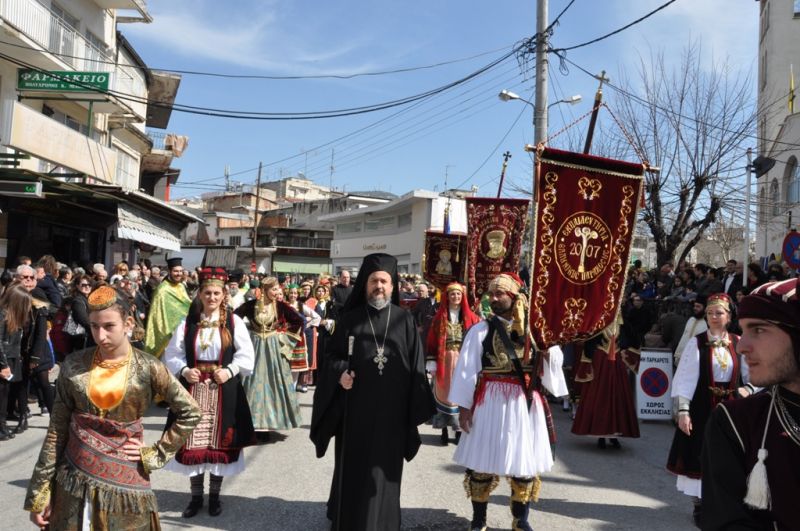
[(375, 422)]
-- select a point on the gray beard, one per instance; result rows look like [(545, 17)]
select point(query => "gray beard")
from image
[(379, 303)]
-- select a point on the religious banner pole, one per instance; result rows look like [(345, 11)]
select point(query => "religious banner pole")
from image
[(598, 98), (506, 156)]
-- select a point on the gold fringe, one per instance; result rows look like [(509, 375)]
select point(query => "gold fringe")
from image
[(41, 500), (479, 486), (537, 487), (110, 499)]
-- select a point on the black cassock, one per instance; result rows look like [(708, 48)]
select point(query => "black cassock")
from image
[(375, 422)]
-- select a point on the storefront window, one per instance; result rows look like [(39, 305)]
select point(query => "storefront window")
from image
[(379, 224), (349, 228)]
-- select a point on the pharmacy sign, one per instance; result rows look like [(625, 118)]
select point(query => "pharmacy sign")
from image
[(38, 80)]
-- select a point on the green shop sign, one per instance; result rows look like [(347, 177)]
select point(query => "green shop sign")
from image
[(63, 81)]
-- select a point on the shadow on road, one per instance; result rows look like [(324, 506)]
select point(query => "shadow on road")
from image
[(272, 513)]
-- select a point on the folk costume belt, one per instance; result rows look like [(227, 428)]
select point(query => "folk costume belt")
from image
[(207, 368), (95, 446), (721, 392)]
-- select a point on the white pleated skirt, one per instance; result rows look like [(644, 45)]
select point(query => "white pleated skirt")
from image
[(218, 469), (689, 486), (506, 439)]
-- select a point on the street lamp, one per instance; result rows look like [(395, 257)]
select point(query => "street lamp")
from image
[(507, 95)]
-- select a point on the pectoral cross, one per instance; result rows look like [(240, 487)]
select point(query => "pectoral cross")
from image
[(380, 360)]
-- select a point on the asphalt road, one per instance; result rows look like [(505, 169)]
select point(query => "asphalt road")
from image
[(285, 487)]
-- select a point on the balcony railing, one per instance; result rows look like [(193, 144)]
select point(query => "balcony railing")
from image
[(37, 22), (158, 138), (306, 243), (61, 39)]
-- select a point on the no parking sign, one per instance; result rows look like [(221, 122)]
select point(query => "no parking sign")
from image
[(653, 385), (791, 249)]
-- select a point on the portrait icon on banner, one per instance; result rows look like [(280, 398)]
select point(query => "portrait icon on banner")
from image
[(496, 240), (444, 266)]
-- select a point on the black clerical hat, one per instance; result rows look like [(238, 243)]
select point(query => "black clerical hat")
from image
[(175, 261), (371, 264), (235, 275)]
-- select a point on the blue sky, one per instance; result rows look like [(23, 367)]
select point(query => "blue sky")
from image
[(407, 147)]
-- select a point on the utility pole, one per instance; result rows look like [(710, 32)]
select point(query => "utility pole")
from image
[(330, 186), (255, 216), (540, 107), (746, 260), (227, 178)]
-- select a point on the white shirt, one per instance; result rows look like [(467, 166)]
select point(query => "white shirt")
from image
[(693, 327), (465, 375), (243, 357), (684, 382)]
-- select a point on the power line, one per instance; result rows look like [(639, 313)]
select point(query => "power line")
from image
[(616, 31), (399, 70), (683, 118), (257, 115)]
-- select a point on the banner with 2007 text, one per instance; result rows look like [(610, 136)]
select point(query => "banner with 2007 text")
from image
[(585, 215)]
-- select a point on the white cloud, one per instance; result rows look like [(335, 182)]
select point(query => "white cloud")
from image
[(257, 37), (727, 29)]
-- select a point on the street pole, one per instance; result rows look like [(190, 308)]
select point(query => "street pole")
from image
[(540, 107), (255, 216), (747, 218)]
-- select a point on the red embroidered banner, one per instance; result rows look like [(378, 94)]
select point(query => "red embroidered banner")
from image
[(585, 214), (445, 256), (496, 228)]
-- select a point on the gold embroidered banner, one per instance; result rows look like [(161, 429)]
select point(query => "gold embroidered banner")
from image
[(586, 212), (496, 228), (445, 256)]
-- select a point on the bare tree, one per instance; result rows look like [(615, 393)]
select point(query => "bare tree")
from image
[(727, 237), (691, 121)]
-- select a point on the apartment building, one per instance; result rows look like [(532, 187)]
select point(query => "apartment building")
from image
[(84, 165)]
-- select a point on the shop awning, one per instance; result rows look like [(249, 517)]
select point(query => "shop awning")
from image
[(141, 226), (220, 257), (300, 264)]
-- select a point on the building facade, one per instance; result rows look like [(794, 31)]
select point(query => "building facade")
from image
[(77, 101), (778, 195), (396, 227)]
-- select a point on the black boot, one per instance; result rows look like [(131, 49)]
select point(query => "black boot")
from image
[(458, 436), (615, 443), (195, 505), (601, 443), (697, 513), (214, 505), (23, 424), (445, 437), (478, 516), (5, 433), (519, 511)]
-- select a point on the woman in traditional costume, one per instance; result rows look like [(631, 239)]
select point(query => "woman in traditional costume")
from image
[(301, 368), (328, 312), (275, 329), (211, 352), (709, 372), (606, 407), (94, 469), (450, 323)]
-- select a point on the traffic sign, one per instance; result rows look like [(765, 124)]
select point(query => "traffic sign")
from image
[(653, 400), (791, 249), (655, 382)]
